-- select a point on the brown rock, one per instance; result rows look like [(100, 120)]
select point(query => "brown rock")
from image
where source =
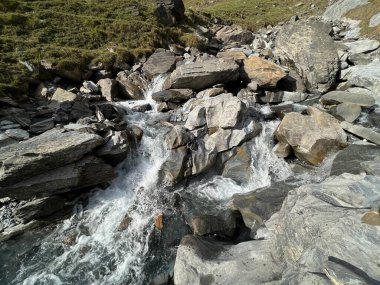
[(159, 221), (124, 224), (262, 71)]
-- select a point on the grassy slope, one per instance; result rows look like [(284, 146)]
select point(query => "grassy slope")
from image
[(71, 33), (365, 13)]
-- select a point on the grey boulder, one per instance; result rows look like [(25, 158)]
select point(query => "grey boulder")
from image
[(159, 63), (336, 97)]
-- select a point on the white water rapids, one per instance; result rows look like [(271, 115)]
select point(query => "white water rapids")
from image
[(102, 254)]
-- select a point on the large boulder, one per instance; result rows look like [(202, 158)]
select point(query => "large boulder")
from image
[(265, 73), (109, 89), (173, 169), (159, 63), (336, 97), (132, 86), (311, 136), (178, 136), (203, 74), (168, 12), (50, 150), (238, 167), (307, 46)]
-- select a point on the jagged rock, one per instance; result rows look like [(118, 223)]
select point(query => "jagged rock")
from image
[(17, 134), (224, 224), (204, 261), (201, 75), (362, 132), (132, 86), (173, 169), (336, 97), (142, 108), (196, 118), (282, 96), (168, 12), (124, 224), (19, 229), (115, 150), (362, 46), (109, 89), (238, 167), (248, 97), (231, 34), (282, 150), (178, 136), (61, 95), (337, 10), (307, 46), (262, 71), (159, 63), (42, 126), (203, 158), (87, 172), (173, 95), (348, 111), (50, 150), (353, 158), (312, 137)]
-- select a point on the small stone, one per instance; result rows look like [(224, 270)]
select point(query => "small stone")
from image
[(282, 150), (17, 134), (159, 221), (124, 224), (372, 218), (348, 111)]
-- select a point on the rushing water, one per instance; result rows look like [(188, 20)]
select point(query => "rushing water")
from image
[(99, 253)]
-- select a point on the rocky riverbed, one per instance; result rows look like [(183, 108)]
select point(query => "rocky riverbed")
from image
[(255, 160)]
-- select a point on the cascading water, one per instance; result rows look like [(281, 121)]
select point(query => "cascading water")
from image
[(97, 253)]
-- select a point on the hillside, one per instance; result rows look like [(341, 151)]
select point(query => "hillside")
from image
[(72, 33)]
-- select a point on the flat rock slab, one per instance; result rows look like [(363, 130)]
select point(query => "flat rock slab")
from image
[(362, 46), (50, 150), (351, 159), (367, 76), (17, 134), (348, 111), (375, 20), (159, 63), (201, 75), (341, 7), (362, 132), (336, 97)]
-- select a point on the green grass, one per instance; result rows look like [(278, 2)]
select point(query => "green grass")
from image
[(73, 33), (365, 13), (254, 14)]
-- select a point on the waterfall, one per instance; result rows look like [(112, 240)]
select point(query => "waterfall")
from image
[(99, 253)]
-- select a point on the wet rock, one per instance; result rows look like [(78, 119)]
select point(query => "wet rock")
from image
[(116, 149), (238, 167), (131, 86), (109, 89), (173, 169), (168, 12), (362, 132), (203, 158), (304, 134), (173, 95), (348, 111), (17, 230), (353, 158), (89, 87), (17, 134), (124, 224), (307, 46), (336, 97), (159, 222), (159, 63), (42, 126), (142, 108), (201, 75), (262, 71), (366, 76), (362, 46), (178, 136), (87, 172), (196, 118), (50, 150), (224, 224), (39, 208), (282, 150)]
